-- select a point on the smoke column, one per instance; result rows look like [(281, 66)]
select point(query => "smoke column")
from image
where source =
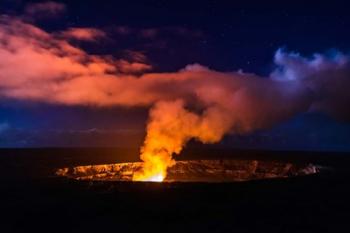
[(193, 103)]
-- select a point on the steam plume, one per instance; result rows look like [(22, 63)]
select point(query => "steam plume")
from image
[(193, 103)]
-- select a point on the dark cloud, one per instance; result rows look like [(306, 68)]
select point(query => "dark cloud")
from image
[(44, 10)]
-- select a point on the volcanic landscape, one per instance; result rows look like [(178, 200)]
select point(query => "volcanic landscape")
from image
[(195, 171), (86, 190), (170, 116)]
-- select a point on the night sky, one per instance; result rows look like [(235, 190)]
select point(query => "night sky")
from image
[(169, 35)]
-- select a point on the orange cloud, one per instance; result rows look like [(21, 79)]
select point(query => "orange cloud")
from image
[(132, 67), (38, 65), (85, 34)]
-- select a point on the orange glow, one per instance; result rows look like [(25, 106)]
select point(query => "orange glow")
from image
[(157, 178), (223, 170), (169, 129), (154, 167), (194, 103)]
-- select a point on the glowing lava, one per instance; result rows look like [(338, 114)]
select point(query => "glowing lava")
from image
[(157, 178), (154, 167)]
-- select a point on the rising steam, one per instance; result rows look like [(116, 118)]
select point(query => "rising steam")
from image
[(193, 103)]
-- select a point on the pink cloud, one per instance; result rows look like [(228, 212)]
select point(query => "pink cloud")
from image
[(39, 66), (85, 34), (132, 67), (52, 70), (46, 59)]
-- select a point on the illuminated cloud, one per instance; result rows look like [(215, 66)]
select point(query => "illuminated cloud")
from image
[(135, 55), (193, 103), (45, 59), (132, 67), (327, 76), (84, 34), (53, 70)]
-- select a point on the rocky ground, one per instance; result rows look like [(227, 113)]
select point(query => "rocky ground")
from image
[(34, 202), (223, 170)]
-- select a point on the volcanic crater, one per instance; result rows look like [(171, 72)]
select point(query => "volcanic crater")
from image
[(223, 170)]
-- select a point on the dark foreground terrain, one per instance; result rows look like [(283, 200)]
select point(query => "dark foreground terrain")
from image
[(33, 200)]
